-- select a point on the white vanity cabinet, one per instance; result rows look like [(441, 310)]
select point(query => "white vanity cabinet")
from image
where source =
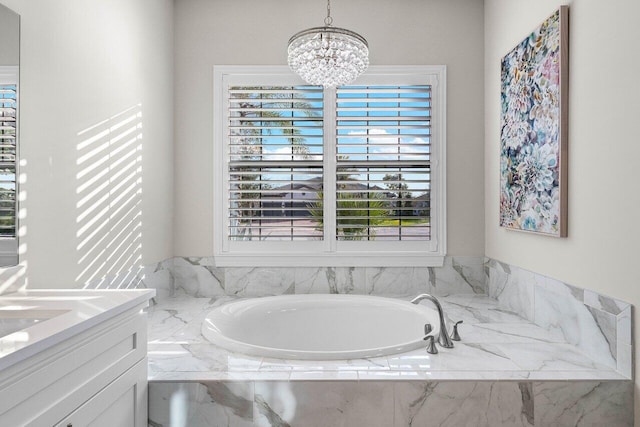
[(97, 377), (121, 403)]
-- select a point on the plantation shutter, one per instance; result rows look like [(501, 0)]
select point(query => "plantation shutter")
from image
[(383, 157), (275, 162), (8, 156)]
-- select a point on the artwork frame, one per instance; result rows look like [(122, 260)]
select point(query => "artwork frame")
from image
[(534, 130)]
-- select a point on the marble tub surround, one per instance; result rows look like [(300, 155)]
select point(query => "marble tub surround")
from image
[(199, 277), (507, 371), (497, 345), (388, 404), (596, 324)]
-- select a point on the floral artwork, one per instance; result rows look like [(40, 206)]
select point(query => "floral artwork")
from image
[(533, 131)]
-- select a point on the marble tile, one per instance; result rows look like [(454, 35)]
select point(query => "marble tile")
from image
[(463, 357), (311, 280), (502, 267), (323, 403), (180, 320), (393, 281), (604, 303), (550, 357), (623, 327), (472, 314), (203, 376), (514, 291), (607, 323), (330, 280), (453, 375), (173, 357), (503, 333), (584, 403), (350, 280), (477, 404), (586, 375), (496, 281), (222, 360), (262, 281), (553, 285), (458, 275), (373, 364), (297, 375), (625, 360), (198, 279), (201, 404), (558, 309), (396, 375)]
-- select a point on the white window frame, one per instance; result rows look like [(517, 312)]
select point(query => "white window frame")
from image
[(330, 252)]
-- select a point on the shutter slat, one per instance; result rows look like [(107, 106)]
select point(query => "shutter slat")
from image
[(383, 119), (384, 100), (385, 136), (381, 164), (234, 119), (379, 90), (286, 164)]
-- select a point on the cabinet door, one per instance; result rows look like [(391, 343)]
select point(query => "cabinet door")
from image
[(122, 403)]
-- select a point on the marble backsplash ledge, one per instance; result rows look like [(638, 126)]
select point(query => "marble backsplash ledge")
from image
[(598, 325), (199, 277)]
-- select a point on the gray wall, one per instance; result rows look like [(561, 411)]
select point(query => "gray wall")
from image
[(96, 137), (9, 37), (255, 32), (601, 251)]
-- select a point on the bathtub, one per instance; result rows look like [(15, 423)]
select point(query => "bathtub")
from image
[(319, 327)]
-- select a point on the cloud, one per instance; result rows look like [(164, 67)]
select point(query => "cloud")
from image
[(285, 153), (385, 145)]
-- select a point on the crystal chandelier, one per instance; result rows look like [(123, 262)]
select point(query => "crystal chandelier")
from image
[(328, 56)]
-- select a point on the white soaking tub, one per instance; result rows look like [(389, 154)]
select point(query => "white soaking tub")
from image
[(319, 327)]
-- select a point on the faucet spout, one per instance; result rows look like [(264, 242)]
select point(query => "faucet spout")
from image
[(443, 336)]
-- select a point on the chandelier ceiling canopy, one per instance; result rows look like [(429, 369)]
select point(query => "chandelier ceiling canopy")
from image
[(328, 56)]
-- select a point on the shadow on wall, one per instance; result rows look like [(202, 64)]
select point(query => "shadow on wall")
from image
[(109, 201)]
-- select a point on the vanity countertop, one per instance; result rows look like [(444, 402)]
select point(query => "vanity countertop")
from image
[(53, 316)]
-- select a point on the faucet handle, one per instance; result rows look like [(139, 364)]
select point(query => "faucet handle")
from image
[(454, 335), (431, 344), (427, 328)]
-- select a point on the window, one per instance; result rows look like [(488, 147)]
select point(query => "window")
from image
[(8, 164), (346, 176)]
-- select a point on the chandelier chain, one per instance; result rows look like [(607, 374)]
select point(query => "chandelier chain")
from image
[(328, 20)]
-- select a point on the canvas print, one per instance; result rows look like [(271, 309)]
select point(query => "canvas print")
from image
[(534, 130)]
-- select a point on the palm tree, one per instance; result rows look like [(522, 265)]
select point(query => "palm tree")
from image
[(257, 104), (357, 214)]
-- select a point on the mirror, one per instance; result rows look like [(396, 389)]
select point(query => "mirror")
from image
[(9, 133)]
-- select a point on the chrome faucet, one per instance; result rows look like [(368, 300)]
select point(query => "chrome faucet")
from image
[(443, 337)]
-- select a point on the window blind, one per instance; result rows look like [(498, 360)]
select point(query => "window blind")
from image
[(8, 108), (275, 162), (383, 162)]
